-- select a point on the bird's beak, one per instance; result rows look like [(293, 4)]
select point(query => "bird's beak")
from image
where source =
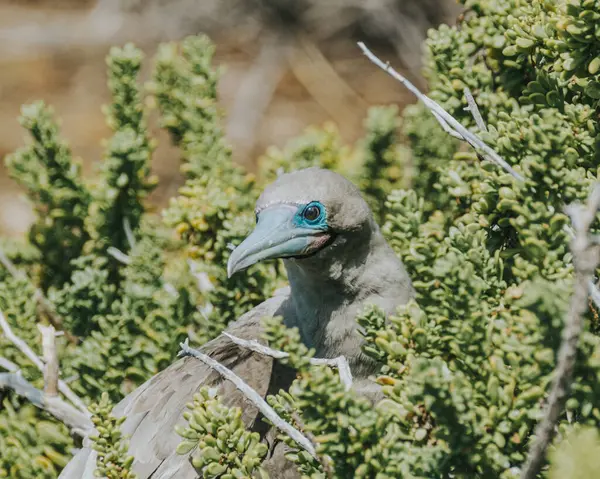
[(275, 236)]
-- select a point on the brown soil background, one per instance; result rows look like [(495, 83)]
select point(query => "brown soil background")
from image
[(288, 64)]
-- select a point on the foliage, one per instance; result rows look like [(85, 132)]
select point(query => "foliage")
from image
[(53, 182), (111, 447), (577, 456), (125, 179), (465, 366), (218, 441), (384, 168)]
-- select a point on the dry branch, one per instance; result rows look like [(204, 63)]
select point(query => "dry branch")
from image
[(78, 422), (447, 121), (340, 362), (586, 257), (51, 367), (8, 365), (119, 255), (129, 233), (252, 396), (474, 110), (28, 352)]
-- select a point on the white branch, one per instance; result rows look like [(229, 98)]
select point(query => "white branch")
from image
[(74, 419), (443, 116), (129, 233), (19, 343), (28, 352), (594, 293), (447, 128), (51, 367), (9, 265), (586, 257), (252, 395), (8, 365), (118, 255), (202, 280), (474, 110), (340, 362)]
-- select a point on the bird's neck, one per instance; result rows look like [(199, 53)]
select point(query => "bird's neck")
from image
[(336, 287)]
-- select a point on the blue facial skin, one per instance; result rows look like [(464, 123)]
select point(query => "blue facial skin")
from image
[(282, 231), (319, 223)]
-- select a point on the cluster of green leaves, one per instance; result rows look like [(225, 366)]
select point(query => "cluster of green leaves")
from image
[(52, 179), (111, 448), (125, 178), (218, 441), (118, 279), (353, 438)]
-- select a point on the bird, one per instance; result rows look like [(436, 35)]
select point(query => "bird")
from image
[(337, 262)]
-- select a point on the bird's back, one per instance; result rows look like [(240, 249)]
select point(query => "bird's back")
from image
[(154, 409)]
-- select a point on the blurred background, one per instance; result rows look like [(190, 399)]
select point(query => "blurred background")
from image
[(287, 64)]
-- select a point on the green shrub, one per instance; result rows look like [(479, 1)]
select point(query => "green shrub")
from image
[(465, 366)]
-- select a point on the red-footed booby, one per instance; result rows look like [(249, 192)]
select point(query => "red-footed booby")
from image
[(337, 262)]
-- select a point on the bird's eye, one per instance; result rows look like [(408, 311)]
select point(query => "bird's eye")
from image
[(312, 212)]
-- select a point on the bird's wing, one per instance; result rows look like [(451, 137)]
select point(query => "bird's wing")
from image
[(154, 409)]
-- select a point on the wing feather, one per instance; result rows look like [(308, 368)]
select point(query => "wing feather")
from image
[(154, 409)]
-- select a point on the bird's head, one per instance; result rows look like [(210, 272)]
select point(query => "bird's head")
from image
[(307, 215)]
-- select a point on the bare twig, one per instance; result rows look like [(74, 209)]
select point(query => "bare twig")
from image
[(586, 257), (8, 365), (342, 366), (118, 255), (325, 461), (340, 362), (594, 293), (447, 128), (129, 233), (77, 421), (474, 110), (22, 387), (9, 265), (19, 343), (28, 352), (443, 116), (252, 395), (51, 368)]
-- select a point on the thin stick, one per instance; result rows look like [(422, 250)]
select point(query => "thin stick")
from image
[(28, 352), (252, 395), (129, 233), (51, 367), (78, 422), (586, 257), (443, 116), (9, 265), (118, 255), (340, 362), (324, 460), (474, 109), (8, 365), (447, 128), (594, 293)]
